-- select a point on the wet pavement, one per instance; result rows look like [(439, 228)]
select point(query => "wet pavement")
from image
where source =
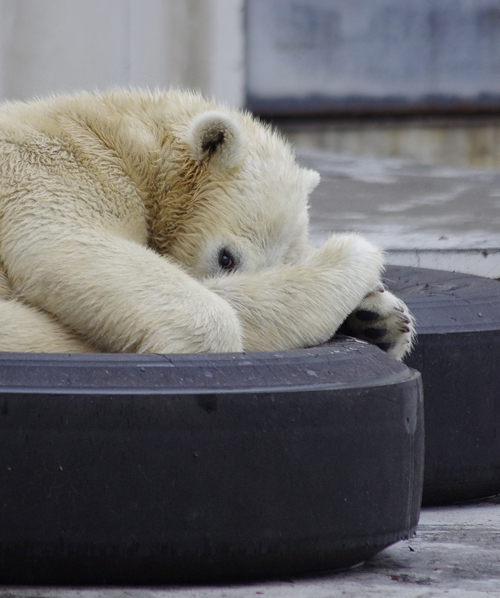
[(431, 217)]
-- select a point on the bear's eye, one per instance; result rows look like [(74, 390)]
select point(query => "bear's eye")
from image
[(226, 260)]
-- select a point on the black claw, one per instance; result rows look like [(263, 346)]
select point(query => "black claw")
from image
[(374, 333), (385, 346), (365, 315)]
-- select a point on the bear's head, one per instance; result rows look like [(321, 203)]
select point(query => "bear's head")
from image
[(250, 212)]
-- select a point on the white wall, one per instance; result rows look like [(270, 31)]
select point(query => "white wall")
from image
[(48, 46)]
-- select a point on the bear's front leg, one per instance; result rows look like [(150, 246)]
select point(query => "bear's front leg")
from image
[(120, 295), (383, 320), (303, 304)]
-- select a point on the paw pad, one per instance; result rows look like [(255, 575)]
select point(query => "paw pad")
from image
[(375, 333), (385, 346), (365, 315)]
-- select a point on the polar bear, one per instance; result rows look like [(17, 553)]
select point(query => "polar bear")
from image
[(133, 221)]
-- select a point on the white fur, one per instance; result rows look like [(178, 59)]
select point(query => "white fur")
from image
[(114, 214)]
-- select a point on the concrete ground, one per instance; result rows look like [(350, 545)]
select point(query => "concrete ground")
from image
[(433, 217)]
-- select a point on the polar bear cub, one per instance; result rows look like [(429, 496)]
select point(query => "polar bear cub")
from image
[(141, 222)]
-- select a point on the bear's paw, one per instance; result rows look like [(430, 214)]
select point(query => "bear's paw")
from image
[(383, 320)]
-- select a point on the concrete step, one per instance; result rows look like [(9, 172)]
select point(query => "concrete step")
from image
[(425, 216)]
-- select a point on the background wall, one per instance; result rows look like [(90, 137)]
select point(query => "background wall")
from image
[(310, 56), (329, 60), (63, 45)]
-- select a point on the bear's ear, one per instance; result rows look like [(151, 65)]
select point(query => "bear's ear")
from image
[(214, 137)]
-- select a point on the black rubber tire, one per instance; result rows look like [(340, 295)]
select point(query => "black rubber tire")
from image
[(159, 469), (458, 354)]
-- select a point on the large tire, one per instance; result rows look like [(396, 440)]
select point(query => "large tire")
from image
[(458, 354), (158, 469)]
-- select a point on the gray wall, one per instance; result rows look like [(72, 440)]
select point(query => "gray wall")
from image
[(307, 55)]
